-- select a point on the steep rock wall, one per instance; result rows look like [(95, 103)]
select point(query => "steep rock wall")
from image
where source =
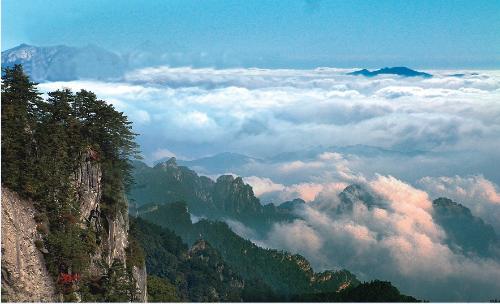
[(87, 181), (141, 276), (114, 229), (24, 275)]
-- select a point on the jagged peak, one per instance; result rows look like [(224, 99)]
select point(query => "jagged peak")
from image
[(444, 201), (451, 206), (354, 193), (226, 178), (170, 163), (292, 204)]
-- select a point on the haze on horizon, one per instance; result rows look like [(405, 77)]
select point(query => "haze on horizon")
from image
[(269, 34)]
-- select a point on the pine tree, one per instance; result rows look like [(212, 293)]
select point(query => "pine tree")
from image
[(20, 107)]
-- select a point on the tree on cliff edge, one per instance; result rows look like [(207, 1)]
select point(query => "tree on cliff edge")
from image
[(20, 104)]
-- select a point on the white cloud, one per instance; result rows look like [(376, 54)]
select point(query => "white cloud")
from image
[(263, 185), (263, 112), (162, 153)]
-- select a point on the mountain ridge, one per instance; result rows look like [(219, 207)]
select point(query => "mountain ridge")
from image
[(226, 197), (400, 71), (65, 63)]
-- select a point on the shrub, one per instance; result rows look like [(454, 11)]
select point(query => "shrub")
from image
[(39, 244), (42, 228)]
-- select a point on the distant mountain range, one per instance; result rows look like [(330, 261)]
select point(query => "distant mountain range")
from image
[(64, 63), (221, 162), (241, 164), (401, 71)]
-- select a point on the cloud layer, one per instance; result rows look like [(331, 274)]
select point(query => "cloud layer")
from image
[(195, 112), (414, 140)]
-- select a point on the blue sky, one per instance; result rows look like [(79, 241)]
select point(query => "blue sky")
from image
[(430, 34)]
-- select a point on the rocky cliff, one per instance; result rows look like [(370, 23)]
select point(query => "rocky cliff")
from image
[(113, 228), (24, 275)]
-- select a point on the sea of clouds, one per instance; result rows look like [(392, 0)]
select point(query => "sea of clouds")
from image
[(438, 136)]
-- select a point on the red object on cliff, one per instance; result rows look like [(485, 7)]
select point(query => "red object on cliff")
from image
[(66, 278), (93, 155)]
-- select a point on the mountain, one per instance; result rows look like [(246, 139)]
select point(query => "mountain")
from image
[(227, 197), (63, 63), (291, 205), (465, 232), (219, 163), (374, 291), (359, 150), (356, 193), (401, 71), (284, 272), (193, 274), (269, 275)]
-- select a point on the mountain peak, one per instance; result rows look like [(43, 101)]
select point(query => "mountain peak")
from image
[(227, 178), (170, 163), (447, 205), (401, 71), (290, 205), (354, 193)]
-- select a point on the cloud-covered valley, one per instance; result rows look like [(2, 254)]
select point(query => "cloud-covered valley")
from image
[(397, 240), (198, 112), (312, 133)]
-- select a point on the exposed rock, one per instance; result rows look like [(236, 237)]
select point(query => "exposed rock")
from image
[(140, 276), (24, 275), (88, 183), (117, 240), (113, 229)]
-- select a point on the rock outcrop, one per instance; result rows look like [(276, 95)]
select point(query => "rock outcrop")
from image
[(113, 228), (24, 275), (140, 276), (87, 181)]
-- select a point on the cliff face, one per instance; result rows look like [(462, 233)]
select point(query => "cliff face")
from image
[(114, 229), (24, 275), (87, 180)]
